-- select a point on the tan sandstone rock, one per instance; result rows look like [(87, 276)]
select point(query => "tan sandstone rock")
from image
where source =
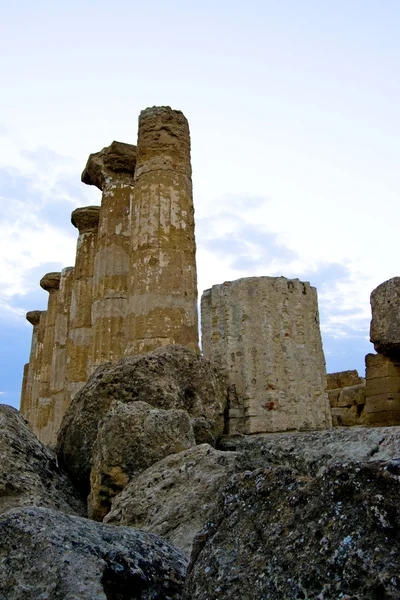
[(346, 393), (33, 317), (131, 438), (162, 278), (385, 323), (36, 370), (342, 379), (171, 377), (175, 497), (382, 392), (264, 332), (111, 170), (86, 220)]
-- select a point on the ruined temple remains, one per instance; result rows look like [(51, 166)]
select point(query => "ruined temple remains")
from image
[(264, 333), (382, 370), (33, 317), (162, 275), (86, 220), (346, 393)]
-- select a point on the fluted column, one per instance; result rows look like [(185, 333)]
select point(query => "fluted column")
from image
[(45, 408), (33, 407), (86, 220), (162, 279), (32, 317), (59, 358), (111, 170)]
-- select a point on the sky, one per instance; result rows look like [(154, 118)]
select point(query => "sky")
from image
[(293, 108)]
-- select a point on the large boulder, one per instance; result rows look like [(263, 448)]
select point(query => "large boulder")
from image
[(385, 323), (130, 439), (175, 497), (309, 452), (47, 554), (29, 474), (277, 534), (169, 377)]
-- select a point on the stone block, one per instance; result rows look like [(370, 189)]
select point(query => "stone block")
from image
[(382, 403), (343, 379), (385, 323)]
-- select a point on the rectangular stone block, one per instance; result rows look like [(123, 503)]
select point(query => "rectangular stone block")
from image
[(350, 396), (343, 379), (378, 365), (347, 416)]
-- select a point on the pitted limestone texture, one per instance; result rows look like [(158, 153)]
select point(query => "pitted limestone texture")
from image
[(385, 323), (162, 280), (44, 415), (33, 317), (346, 393), (33, 408), (86, 220), (264, 333), (111, 170), (382, 391)]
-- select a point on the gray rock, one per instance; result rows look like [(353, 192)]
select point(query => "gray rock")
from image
[(169, 377), (308, 452), (49, 555), (29, 474), (175, 497), (130, 439), (276, 534), (385, 323)]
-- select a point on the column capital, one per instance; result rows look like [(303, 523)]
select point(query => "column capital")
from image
[(50, 281), (86, 218), (33, 316), (115, 161)]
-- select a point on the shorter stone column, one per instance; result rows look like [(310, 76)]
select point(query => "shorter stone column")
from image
[(59, 358), (33, 317), (45, 409), (80, 326), (264, 333), (33, 407), (111, 170)]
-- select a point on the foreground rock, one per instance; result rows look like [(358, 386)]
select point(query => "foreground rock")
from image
[(46, 554), (28, 470), (175, 497), (385, 323), (131, 438), (276, 534), (309, 452), (169, 377)]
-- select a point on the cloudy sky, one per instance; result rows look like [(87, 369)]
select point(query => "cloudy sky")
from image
[(294, 114)]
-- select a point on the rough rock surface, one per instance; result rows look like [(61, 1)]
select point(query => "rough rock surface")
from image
[(308, 452), (175, 497), (382, 390), (385, 323), (169, 377), (264, 333), (46, 554), (28, 470), (275, 535), (118, 157), (341, 379), (131, 438)]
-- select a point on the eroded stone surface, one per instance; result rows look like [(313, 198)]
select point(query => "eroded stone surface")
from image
[(175, 497), (162, 277), (167, 378), (277, 534), (118, 158), (264, 332), (131, 438), (342, 379), (47, 554), (33, 317), (385, 323), (346, 393), (382, 391), (28, 471)]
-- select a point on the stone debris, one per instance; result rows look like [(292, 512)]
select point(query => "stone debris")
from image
[(346, 393), (131, 438), (48, 554), (264, 333)]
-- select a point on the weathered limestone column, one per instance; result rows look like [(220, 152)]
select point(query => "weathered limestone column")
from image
[(59, 359), (44, 413), (80, 326), (162, 280), (33, 317), (111, 170), (264, 332), (36, 372)]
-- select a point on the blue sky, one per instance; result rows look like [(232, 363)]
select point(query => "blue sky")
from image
[(293, 111)]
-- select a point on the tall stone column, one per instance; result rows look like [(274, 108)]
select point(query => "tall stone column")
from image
[(33, 317), (86, 220), (264, 333), (58, 390), (36, 371), (45, 408), (162, 280), (111, 170)]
